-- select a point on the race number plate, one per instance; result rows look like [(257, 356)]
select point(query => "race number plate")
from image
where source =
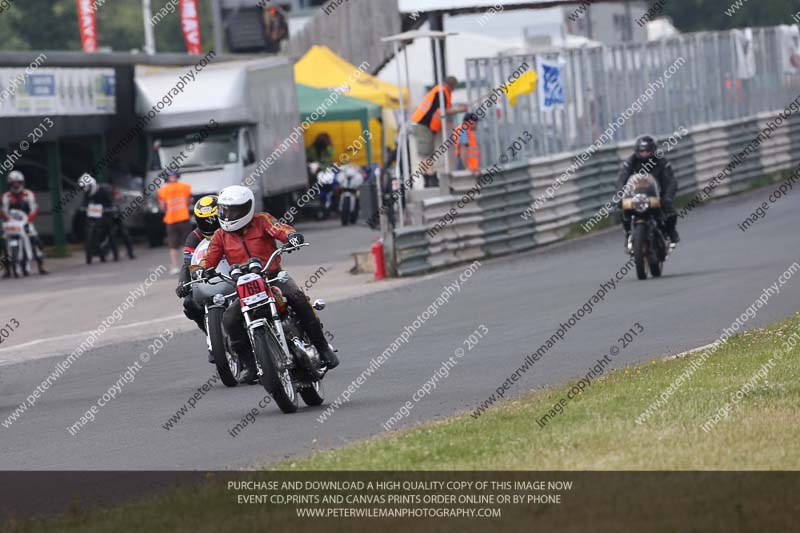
[(12, 228), (251, 289), (94, 211)]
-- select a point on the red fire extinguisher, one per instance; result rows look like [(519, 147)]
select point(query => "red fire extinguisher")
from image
[(377, 256)]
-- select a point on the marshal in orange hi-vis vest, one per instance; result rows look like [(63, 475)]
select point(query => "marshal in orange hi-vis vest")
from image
[(176, 198), (427, 113), (473, 150)]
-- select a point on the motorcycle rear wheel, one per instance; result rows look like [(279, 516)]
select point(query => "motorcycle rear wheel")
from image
[(640, 250), (267, 349), (214, 328)]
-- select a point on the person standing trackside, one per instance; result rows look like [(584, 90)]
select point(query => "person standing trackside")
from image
[(468, 153), (174, 200), (427, 122)]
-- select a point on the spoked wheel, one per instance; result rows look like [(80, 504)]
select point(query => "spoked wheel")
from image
[(227, 365), (279, 385), (640, 250), (314, 394)]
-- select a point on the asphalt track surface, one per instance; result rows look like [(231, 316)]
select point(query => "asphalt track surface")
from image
[(716, 274)]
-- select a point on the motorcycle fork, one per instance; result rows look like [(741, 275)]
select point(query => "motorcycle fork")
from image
[(276, 326)]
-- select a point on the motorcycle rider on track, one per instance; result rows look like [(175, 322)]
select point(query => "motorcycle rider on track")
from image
[(245, 235), (206, 215), (645, 161), (18, 197)]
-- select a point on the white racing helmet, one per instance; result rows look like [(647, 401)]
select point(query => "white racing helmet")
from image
[(236, 207), (16, 181), (88, 184)]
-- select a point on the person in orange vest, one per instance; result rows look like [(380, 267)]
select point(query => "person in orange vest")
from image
[(468, 153), (174, 199), (427, 122)]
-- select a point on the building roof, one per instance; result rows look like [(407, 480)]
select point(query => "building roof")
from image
[(60, 58)]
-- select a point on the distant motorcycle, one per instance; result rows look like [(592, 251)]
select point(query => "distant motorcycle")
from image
[(100, 239), (326, 181), (641, 202), (286, 360), (19, 249), (350, 180), (214, 295)]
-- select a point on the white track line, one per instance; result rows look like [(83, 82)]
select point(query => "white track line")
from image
[(86, 333)]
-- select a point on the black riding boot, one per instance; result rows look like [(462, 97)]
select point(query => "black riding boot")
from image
[(670, 226)]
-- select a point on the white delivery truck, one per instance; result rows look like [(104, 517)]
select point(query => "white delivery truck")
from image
[(222, 130)]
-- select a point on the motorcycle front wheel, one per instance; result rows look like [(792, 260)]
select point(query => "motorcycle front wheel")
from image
[(345, 211), (279, 385), (313, 394), (218, 351), (640, 250)]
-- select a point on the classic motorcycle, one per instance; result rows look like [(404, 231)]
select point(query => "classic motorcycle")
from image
[(286, 360), (213, 295), (641, 202), (19, 249), (99, 234)]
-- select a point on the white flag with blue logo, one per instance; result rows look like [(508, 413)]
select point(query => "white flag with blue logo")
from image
[(551, 84)]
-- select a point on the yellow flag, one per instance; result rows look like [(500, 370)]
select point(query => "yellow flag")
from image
[(523, 85)]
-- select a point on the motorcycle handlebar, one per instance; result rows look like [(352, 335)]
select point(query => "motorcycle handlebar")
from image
[(285, 248)]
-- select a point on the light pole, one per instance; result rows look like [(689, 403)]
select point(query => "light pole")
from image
[(149, 37)]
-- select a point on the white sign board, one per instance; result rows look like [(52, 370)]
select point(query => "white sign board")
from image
[(57, 91)]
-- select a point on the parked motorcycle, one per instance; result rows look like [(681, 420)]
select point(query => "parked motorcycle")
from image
[(18, 243), (286, 360), (326, 180), (100, 239), (350, 180), (214, 295), (642, 204)]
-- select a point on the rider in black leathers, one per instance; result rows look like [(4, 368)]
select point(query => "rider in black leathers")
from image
[(207, 219), (645, 160), (104, 194)]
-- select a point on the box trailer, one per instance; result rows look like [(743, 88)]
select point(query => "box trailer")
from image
[(234, 123)]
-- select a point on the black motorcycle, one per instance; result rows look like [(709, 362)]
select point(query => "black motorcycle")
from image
[(213, 295), (286, 360), (100, 238), (641, 204)]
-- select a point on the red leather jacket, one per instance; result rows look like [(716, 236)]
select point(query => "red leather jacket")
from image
[(24, 200), (257, 238)]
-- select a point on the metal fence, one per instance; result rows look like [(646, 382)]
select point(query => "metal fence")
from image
[(705, 79), (492, 225)]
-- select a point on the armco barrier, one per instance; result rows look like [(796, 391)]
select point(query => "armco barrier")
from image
[(492, 224)]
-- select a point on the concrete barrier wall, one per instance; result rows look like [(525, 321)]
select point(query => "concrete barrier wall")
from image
[(492, 225)]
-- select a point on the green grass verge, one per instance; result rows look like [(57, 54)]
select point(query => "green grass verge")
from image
[(596, 431)]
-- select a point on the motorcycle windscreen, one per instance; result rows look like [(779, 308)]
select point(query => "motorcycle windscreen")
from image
[(201, 251), (642, 184)]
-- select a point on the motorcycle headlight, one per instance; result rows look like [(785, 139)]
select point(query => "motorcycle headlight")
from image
[(152, 203), (640, 203), (218, 299)]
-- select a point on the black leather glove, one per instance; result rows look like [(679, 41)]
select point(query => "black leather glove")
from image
[(296, 239), (182, 291)]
